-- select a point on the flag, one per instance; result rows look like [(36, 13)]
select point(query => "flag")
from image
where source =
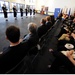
[(61, 11), (69, 12), (66, 10)]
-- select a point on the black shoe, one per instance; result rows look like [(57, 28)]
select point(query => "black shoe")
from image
[(7, 20), (15, 18)]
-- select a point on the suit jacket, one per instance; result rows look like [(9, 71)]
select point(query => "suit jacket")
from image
[(49, 24), (12, 56), (32, 39), (61, 59), (42, 30)]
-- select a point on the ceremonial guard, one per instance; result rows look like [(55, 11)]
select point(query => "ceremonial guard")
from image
[(33, 11), (5, 11), (26, 11), (21, 11), (30, 12), (15, 12)]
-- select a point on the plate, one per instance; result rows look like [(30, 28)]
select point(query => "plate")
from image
[(69, 46)]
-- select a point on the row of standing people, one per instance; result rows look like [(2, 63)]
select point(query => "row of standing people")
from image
[(15, 12)]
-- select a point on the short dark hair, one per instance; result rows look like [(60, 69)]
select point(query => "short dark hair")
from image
[(13, 34)]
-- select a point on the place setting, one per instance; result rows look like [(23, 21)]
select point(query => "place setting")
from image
[(69, 46)]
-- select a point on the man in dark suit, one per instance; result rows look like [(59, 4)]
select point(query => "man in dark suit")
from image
[(15, 12), (5, 11), (43, 28), (48, 22), (15, 52)]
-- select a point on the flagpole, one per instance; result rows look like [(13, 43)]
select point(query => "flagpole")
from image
[(69, 12)]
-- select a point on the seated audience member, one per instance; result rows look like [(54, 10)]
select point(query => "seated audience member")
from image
[(15, 52), (65, 59), (66, 38), (65, 17), (60, 16), (72, 38), (32, 37), (73, 20), (53, 20), (42, 29), (71, 17), (64, 30), (48, 22), (73, 24)]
